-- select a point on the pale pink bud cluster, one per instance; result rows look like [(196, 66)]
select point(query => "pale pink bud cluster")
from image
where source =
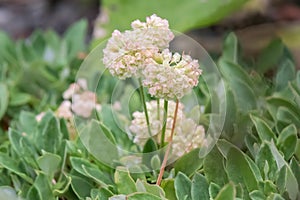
[(187, 136), (127, 53), (78, 100), (171, 75)]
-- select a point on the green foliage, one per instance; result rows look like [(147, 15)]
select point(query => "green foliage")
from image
[(197, 13), (34, 72)]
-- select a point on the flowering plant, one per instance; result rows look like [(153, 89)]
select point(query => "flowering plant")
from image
[(117, 142), (143, 53)]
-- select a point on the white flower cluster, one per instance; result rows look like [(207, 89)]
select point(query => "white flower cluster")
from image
[(78, 100), (143, 52), (127, 53), (187, 136), (171, 76)]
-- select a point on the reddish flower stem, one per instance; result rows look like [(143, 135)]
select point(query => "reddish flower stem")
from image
[(164, 163)]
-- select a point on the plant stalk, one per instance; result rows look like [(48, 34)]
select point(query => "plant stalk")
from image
[(142, 94), (163, 131), (164, 163)]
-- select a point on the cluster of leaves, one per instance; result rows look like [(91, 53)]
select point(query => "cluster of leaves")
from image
[(257, 156), (34, 72)]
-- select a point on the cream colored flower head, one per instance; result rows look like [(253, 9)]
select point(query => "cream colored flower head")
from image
[(188, 135), (171, 76), (156, 30), (127, 53)]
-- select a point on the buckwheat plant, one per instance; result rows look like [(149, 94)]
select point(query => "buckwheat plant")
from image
[(143, 53), (128, 53)]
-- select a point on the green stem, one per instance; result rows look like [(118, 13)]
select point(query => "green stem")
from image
[(158, 109), (164, 163), (163, 131), (142, 94)]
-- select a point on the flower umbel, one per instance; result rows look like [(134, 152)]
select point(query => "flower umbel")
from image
[(127, 53), (171, 76), (188, 135)]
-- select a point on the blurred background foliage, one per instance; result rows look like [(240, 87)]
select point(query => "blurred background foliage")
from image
[(256, 22)]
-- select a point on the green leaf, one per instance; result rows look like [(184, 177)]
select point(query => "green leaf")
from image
[(270, 56), (18, 99), (88, 169), (101, 194), (287, 141), (287, 116), (213, 190), (112, 121), (48, 136), (23, 147), (264, 131), (199, 188), (43, 188), (244, 95), (275, 197), (149, 147), (189, 162), (8, 193), (155, 162), (118, 197), (234, 72), (144, 196), (100, 142), (213, 167), (82, 187), (124, 181), (239, 170), (264, 157), (75, 38), (28, 123), (285, 74), (49, 163), (231, 48), (3, 99), (143, 186), (227, 192), (269, 187), (277, 102), (168, 186), (281, 180), (257, 195), (231, 113), (291, 181), (296, 170), (62, 186), (33, 194), (200, 13), (251, 143), (183, 187)]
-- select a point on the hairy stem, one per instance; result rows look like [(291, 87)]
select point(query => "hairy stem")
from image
[(142, 94), (164, 163)]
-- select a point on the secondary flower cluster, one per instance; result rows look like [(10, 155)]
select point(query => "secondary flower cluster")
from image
[(172, 75), (188, 134), (143, 52), (78, 100)]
